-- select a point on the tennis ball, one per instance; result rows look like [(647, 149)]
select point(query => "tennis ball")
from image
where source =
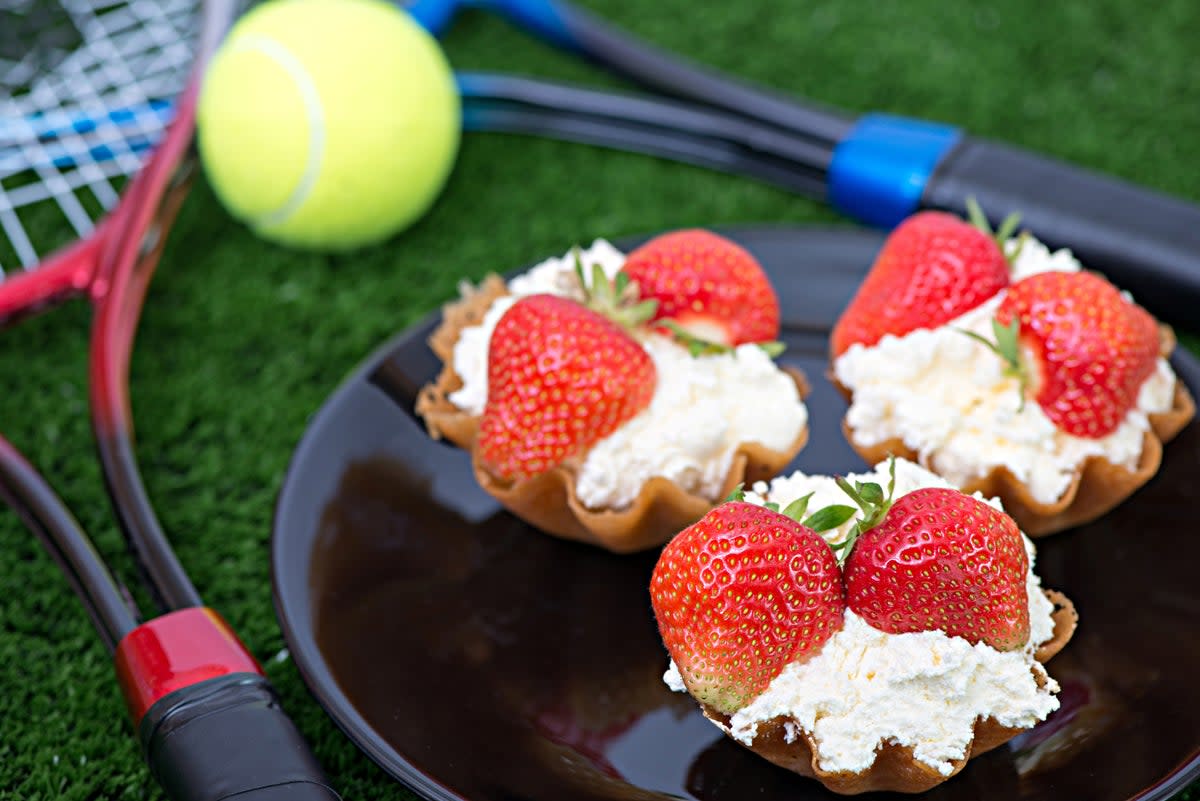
[(328, 124)]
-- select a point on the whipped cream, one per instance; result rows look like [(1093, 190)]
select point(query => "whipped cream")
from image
[(947, 398), (924, 690), (703, 408)]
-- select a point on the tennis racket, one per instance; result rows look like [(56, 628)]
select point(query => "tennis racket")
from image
[(876, 168), (210, 724)]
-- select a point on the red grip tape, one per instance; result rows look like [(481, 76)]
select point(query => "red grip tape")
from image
[(177, 650)]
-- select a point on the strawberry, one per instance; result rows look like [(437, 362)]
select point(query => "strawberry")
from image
[(707, 285), (561, 377), (932, 268), (1080, 348), (740, 594), (942, 560)]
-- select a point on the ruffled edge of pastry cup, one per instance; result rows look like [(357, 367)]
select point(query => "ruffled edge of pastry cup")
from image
[(549, 500), (1097, 486), (895, 769)]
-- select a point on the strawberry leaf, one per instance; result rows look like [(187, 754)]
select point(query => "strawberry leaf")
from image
[(870, 493), (1006, 345), (830, 517), (797, 508), (643, 310), (579, 276), (1008, 226), (1008, 341), (860, 492), (976, 216), (736, 494), (1018, 247), (601, 286), (617, 298), (699, 346), (774, 507), (620, 283), (696, 346), (772, 349), (874, 503)]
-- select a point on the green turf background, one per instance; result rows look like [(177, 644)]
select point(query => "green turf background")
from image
[(242, 341)]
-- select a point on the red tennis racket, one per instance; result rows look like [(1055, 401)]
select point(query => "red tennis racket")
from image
[(85, 135)]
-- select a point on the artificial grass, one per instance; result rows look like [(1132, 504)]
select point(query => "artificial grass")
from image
[(242, 341)]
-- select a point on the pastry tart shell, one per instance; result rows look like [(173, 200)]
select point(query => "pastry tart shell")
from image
[(549, 501), (1097, 486), (895, 769)]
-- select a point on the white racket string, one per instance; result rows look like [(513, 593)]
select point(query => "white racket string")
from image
[(76, 121)]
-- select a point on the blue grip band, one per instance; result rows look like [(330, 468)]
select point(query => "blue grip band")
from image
[(880, 169)]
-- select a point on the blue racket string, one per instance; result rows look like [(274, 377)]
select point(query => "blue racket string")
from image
[(61, 122)]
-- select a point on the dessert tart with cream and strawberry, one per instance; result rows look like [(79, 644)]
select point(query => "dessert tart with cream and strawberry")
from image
[(1007, 369), (615, 398), (874, 644)]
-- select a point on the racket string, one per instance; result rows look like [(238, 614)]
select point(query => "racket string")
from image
[(25, 21), (70, 137)]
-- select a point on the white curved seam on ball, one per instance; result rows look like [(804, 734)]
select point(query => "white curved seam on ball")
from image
[(316, 124)]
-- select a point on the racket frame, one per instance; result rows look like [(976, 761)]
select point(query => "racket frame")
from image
[(196, 695)]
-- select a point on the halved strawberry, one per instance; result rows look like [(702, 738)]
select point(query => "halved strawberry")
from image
[(932, 268), (561, 377), (941, 560), (707, 285), (1081, 349), (740, 594)]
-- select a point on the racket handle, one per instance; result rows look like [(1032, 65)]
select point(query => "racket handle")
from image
[(1148, 243), (210, 723), (228, 737)]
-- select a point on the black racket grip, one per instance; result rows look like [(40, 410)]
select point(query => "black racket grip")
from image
[(228, 737), (1145, 242)]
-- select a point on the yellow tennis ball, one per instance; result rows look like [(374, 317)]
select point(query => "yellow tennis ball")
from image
[(328, 124)]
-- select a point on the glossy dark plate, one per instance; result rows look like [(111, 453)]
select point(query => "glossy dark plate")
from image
[(474, 658)]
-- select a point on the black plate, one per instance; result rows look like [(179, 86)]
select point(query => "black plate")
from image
[(474, 658)]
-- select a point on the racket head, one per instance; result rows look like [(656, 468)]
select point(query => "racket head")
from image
[(86, 89)]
